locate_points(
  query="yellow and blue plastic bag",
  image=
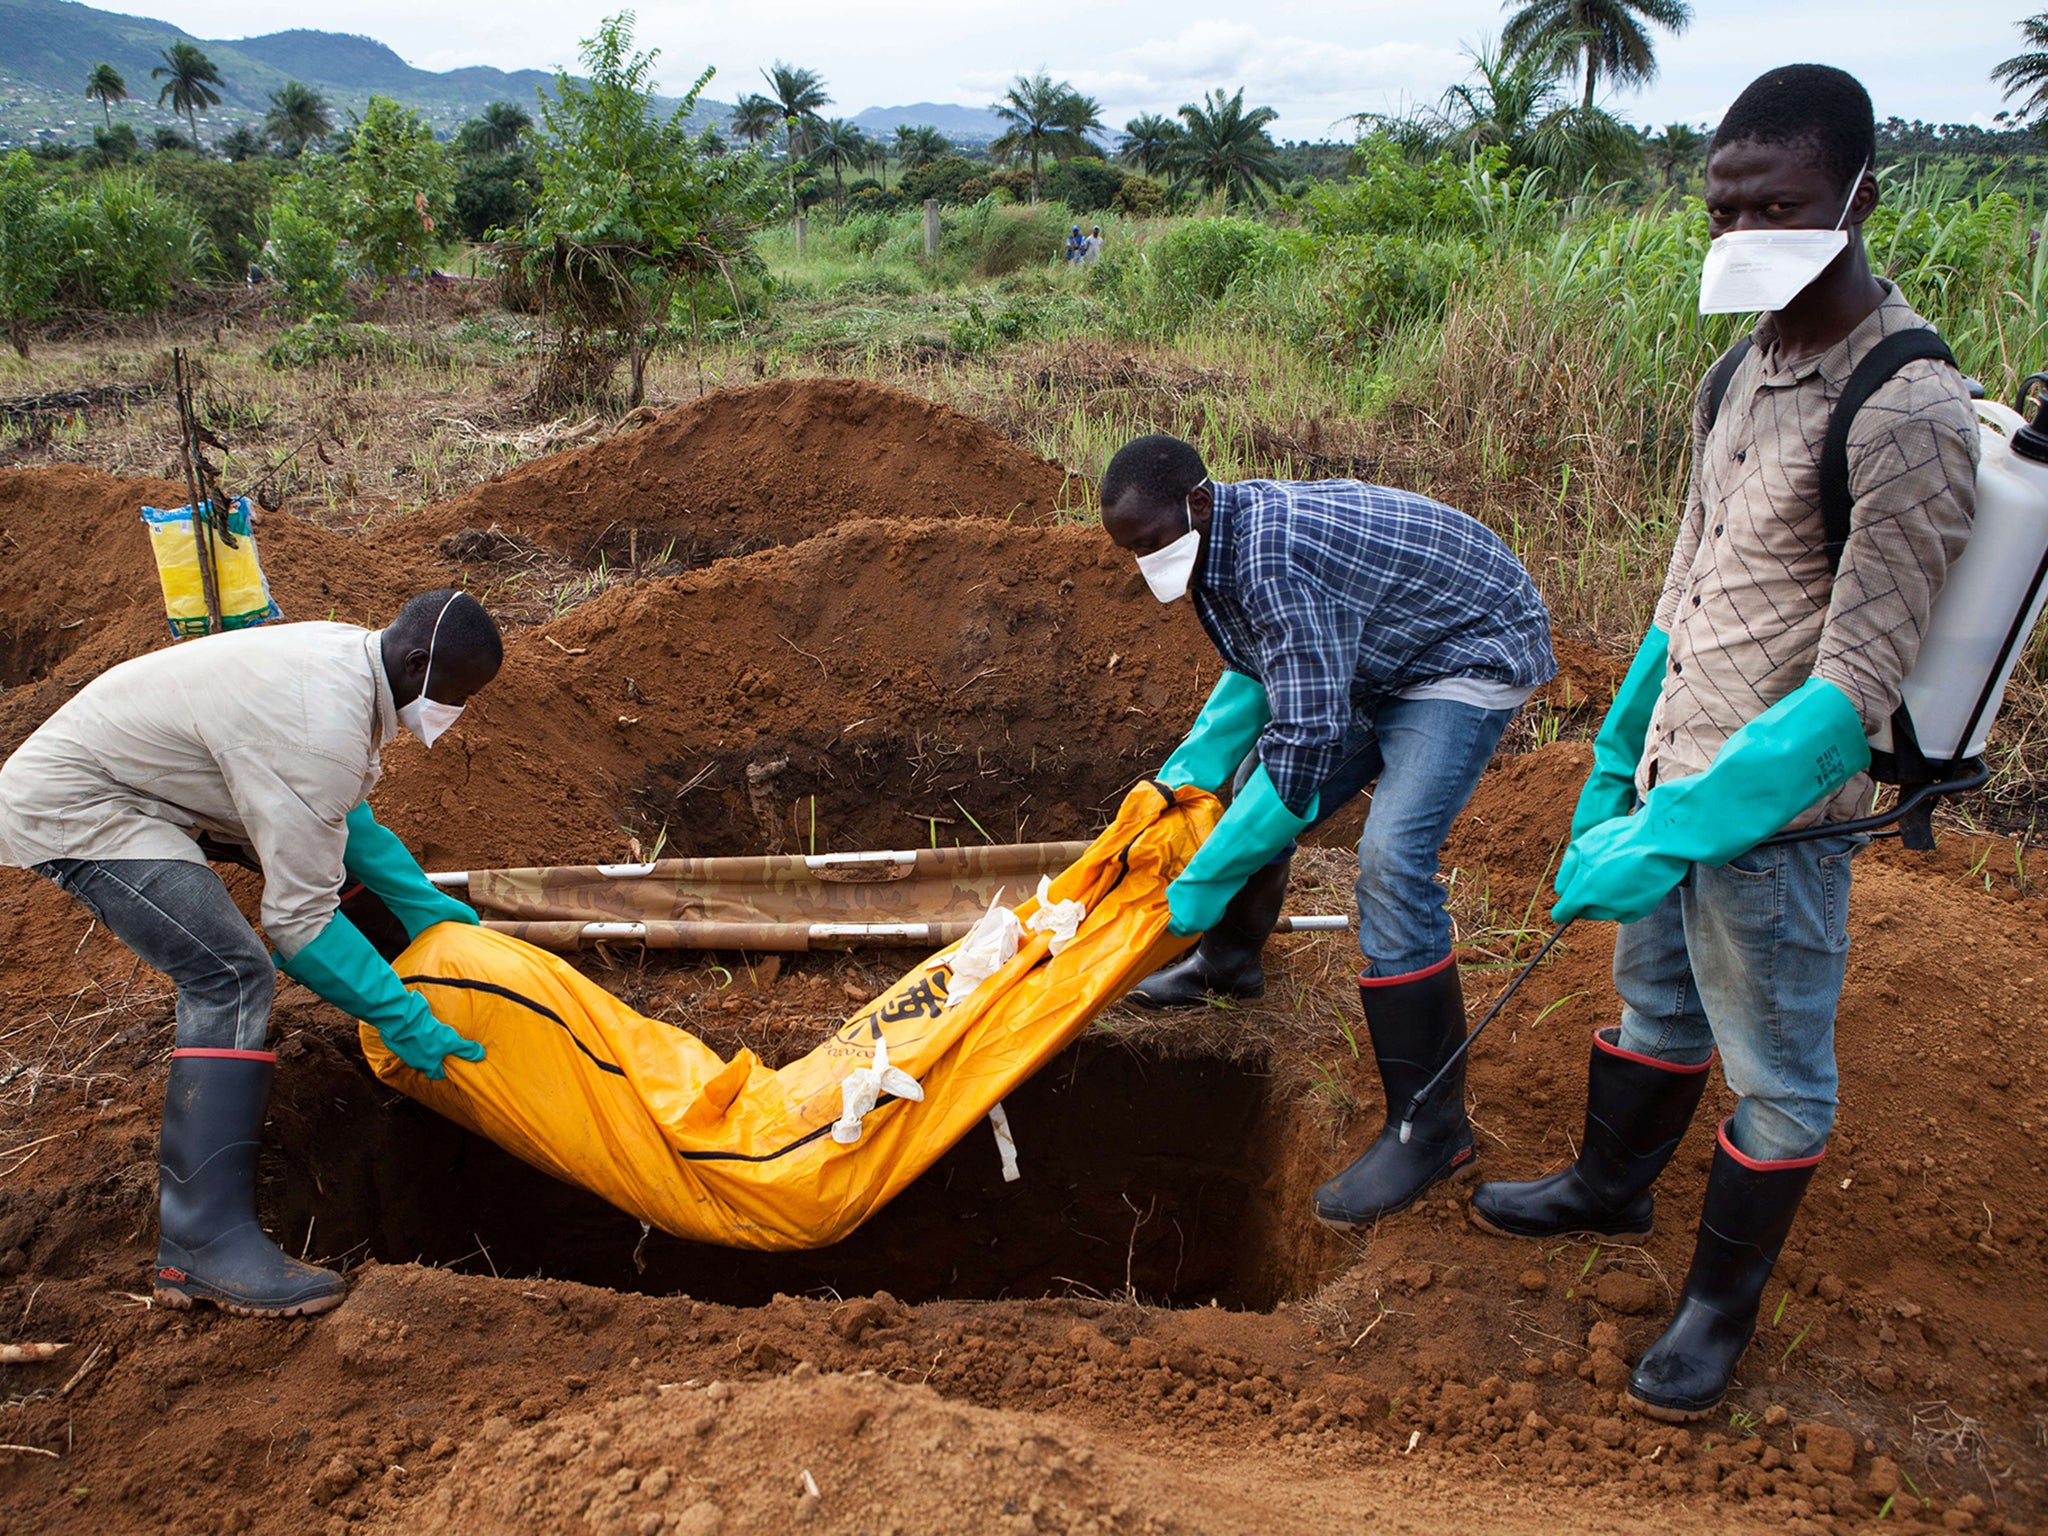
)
(245, 599)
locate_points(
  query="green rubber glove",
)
(376, 857)
(341, 966)
(1223, 733)
(1793, 755)
(1611, 787)
(1257, 826)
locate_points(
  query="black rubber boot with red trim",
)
(1225, 963)
(1637, 1111)
(1416, 1022)
(210, 1247)
(1743, 1224)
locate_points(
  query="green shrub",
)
(331, 339)
(1140, 197)
(229, 199)
(31, 248)
(1200, 260)
(303, 254)
(871, 199)
(944, 179)
(1085, 184)
(133, 246)
(1004, 237)
(1374, 285)
(395, 187)
(493, 192)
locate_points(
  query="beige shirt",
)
(1748, 602)
(268, 737)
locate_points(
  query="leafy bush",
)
(493, 192)
(871, 199)
(303, 254)
(1374, 285)
(1200, 260)
(395, 186)
(228, 198)
(1085, 184)
(1000, 238)
(1140, 197)
(1393, 194)
(945, 180)
(132, 245)
(331, 339)
(31, 248)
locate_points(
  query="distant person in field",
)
(1091, 248)
(1751, 708)
(259, 746)
(1370, 638)
(1077, 244)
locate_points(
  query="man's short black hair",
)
(1161, 469)
(465, 628)
(1807, 104)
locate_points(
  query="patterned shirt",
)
(1338, 596)
(1748, 602)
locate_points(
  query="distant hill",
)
(968, 125)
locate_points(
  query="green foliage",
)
(112, 146)
(632, 211)
(867, 196)
(944, 178)
(303, 254)
(322, 339)
(394, 186)
(189, 80)
(31, 249)
(1394, 193)
(298, 116)
(1197, 262)
(494, 193)
(1373, 285)
(228, 199)
(1085, 183)
(999, 239)
(1044, 117)
(132, 246)
(496, 131)
(1224, 150)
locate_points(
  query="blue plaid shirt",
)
(1338, 596)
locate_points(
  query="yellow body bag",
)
(651, 1119)
(238, 577)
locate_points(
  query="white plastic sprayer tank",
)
(1994, 593)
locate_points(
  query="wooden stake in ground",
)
(200, 506)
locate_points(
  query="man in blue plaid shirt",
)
(1370, 637)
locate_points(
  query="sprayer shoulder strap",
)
(1879, 364)
(1722, 376)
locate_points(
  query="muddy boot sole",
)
(177, 1300)
(1665, 1415)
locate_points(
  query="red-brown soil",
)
(983, 1356)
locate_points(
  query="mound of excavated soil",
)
(853, 688)
(743, 469)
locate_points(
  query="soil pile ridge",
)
(742, 469)
(877, 685)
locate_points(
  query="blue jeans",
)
(180, 919)
(1749, 957)
(1426, 756)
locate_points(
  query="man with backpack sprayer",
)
(260, 745)
(1750, 709)
(1370, 638)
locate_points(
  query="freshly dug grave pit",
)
(1178, 1179)
(742, 469)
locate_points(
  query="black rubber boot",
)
(210, 1247)
(1226, 961)
(1416, 1021)
(1744, 1222)
(1637, 1109)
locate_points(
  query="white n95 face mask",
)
(429, 718)
(1168, 571)
(1749, 271)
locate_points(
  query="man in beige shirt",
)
(267, 739)
(1775, 662)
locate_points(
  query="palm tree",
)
(500, 127)
(105, 86)
(1610, 36)
(920, 145)
(189, 78)
(800, 93)
(839, 145)
(1513, 101)
(755, 118)
(1676, 151)
(242, 142)
(1147, 140)
(1045, 118)
(297, 116)
(2023, 71)
(1224, 149)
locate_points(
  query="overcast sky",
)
(1313, 60)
